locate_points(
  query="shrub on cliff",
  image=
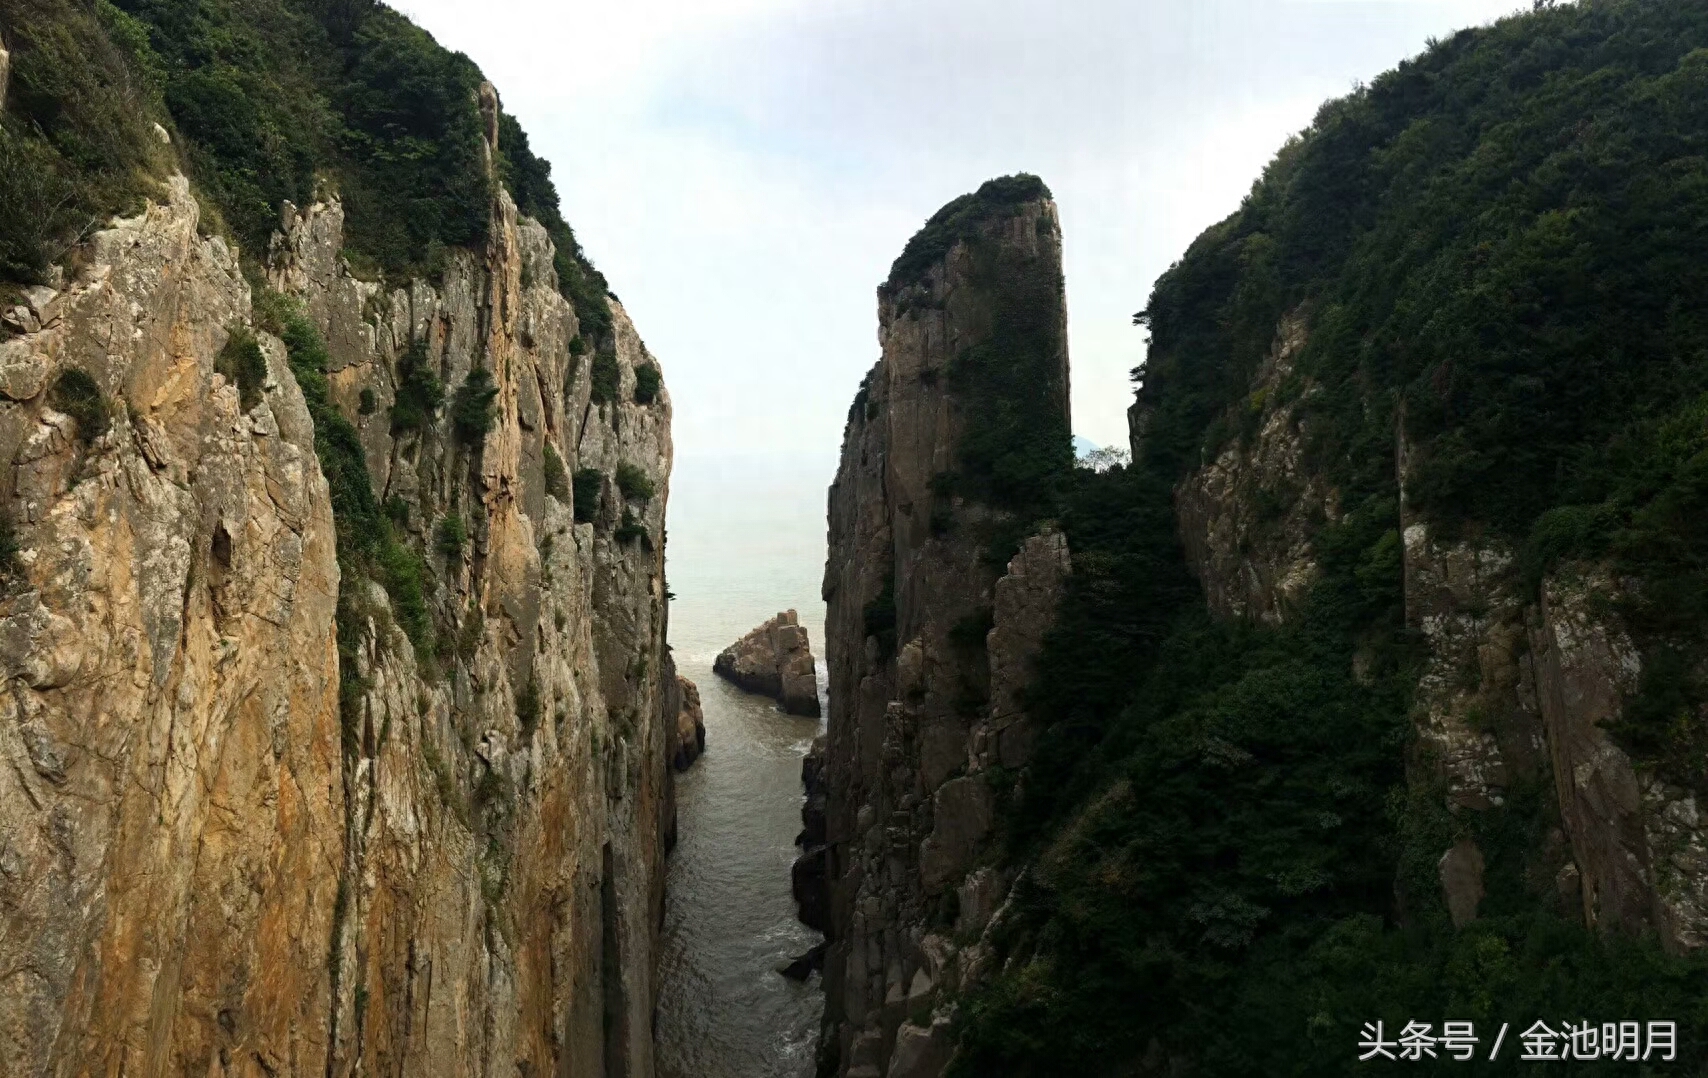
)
(633, 482)
(419, 391)
(648, 381)
(79, 396)
(606, 376)
(879, 617)
(529, 180)
(75, 138)
(586, 499)
(367, 541)
(631, 529)
(452, 536)
(241, 362)
(472, 406)
(557, 479)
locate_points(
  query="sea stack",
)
(775, 660)
(927, 637)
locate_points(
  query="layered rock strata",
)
(251, 824)
(927, 645)
(775, 660)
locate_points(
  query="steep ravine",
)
(261, 819)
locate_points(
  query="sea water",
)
(746, 539)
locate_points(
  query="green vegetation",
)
(1491, 247)
(630, 529)
(242, 363)
(75, 138)
(587, 483)
(9, 546)
(452, 536)
(472, 407)
(1015, 450)
(557, 479)
(633, 482)
(367, 541)
(419, 391)
(961, 219)
(648, 381)
(529, 180)
(79, 396)
(528, 706)
(606, 375)
(265, 100)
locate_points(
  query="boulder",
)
(775, 660)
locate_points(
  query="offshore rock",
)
(775, 660)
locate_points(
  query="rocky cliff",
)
(338, 725)
(1374, 686)
(927, 636)
(775, 660)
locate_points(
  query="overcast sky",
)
(744, 171)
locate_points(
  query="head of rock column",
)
(955, 445)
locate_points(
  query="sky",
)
(744, 171)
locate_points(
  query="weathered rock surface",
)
(775, 660)
(212, 860)
(1247, 517)
(1510, 689)
(918, 713)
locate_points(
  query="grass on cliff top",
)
(1015, 448)
(75, 139)
(267, 101)
(959, 220)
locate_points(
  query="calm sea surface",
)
(746, 539)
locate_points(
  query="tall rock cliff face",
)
(259, 818)
(926, 637)
(1519, 684)
(1377, 681)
